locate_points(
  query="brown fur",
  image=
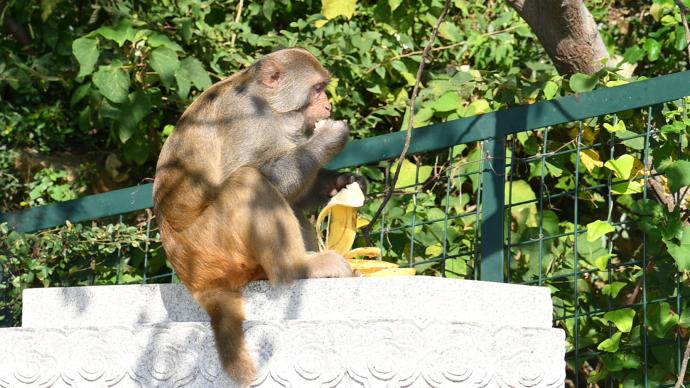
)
(229, 181)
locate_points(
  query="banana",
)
(340, 231)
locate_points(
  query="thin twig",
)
(408, 136)
(238, 16)
(683, 367)
(440, 48)
(684, 10)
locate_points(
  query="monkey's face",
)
(319, 107)
(295, 81)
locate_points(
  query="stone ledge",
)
(296, 353)
(416, 298)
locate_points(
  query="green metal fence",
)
(556, 194)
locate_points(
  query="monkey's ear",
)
(271, 72)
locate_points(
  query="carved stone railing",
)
(386, 332)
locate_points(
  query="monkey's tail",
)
(226, 309)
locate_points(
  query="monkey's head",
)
(293, 80)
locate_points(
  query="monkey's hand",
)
(334, 133)
(331, 126)
(345, 179)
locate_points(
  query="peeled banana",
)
(341, 228)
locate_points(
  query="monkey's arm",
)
(294, 172)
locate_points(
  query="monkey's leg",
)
(270, 231)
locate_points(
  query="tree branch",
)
(683, 367)
(408, 135)
(14, 27)
(567, 31)
(684, 17)
(238, 16)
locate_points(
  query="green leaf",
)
(653, 49)
(456, 268)
(183, 82)
(522, 192)
(598, 229)
(619, 361)
(677, 173)
(112, 82)
(138, 107)
(681, 251)
(623, 319)
(168, 130)
(657, 11)
(602, 261)
(612, 344)
(624, 188)
(394, 4)
(81, 92)
(160, 40)
(550, 89)
(581, 83)
(164, 61)
(123, 32)
(676, 127)
(434, 250)
(477, 107)
(86, 52)
(268, 7)
(136, 151)
(408, 174)
(684, 320)
(450, 31)
(47, 8)
(613, 289)
(197, 74)
(622, 166)
(619, 126)
(422, 117)
(661, 319)
(448, 102)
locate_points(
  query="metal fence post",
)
(493, 200)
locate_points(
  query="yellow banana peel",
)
(341, 228)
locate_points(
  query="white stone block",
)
(418, 298)
(290, 353)
(359, 332)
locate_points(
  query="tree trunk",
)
(567, 31)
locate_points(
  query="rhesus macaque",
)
(233, 180)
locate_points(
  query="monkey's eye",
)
(318, 88)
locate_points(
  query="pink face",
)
(319, 107)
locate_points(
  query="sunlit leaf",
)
(598, 229)
(590, 158)
(581, 83)
(613, 289)
(612, 344)
(448, 102)
(623, 318)
(622, 166)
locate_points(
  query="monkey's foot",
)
(329, 264)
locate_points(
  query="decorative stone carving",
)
(290, 353)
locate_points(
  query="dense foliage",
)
(89, 99)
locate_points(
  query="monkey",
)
(233, 183)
